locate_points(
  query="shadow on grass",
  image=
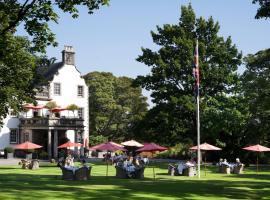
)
(38, 186)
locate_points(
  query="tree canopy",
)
(115, 106)
(35, 16)
(263, 10)
(19, 56)
(171, 82)
(256, 89)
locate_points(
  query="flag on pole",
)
(196, 72)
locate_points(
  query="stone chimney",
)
(68, 55)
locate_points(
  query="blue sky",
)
(111, 39)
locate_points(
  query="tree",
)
(18, 55)
(17, 74)
(35, 16)
(171, 82)
(256, 89)
(263, 10)
(114, 105)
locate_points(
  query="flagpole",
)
(198, 137)
(198, 112)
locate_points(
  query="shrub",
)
(9, 150)
(179, 151)
(43, 155)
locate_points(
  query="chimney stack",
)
(68, 55)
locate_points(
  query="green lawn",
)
(46, 183)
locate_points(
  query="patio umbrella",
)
(132, 143)
(108, 146)
(57, 109)
(151, 147)
(69, 144)
(206, 147)
(32, 107)
(27, 145)
(29, 106)
(257, 148)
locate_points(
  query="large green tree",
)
(171, 81)
(17, 74)
(256, 89)
(263, 10)
(18, 60)
(115, 106)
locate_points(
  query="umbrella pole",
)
(205, 163)
(107, 164)
(257, 164)
(154, 174)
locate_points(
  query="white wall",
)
(9, 123)
(69, 78)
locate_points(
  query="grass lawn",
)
(46, 183)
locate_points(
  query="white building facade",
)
(50, 129)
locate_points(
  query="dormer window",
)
(57, 89)
(80, 91)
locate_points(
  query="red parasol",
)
(206, 147)
(69, 144)
(151, 147)
(257, 148)
(27, 145)
(108, 146)
(29, 106)
(58, 109)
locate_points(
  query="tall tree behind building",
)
(115, 107)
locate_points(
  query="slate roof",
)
(52, 70)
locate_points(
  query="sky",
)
(110, 40)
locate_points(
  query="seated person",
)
(220, 162)
(189, 164)
(69, 161)
(237, 162)
(146, 160)
(180, 167)
(225, 163)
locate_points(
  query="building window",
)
(81, 113)
(14, 136)
(80, 91)
(57, 89)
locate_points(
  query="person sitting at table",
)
(225, 163)
(69, 161)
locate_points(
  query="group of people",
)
(130, 164)
(232, 166)
(185, 165)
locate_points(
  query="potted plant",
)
(51, 105)
(72, 107)
(9, 152)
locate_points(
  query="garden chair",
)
(82, 173)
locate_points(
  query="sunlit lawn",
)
(46, 183)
